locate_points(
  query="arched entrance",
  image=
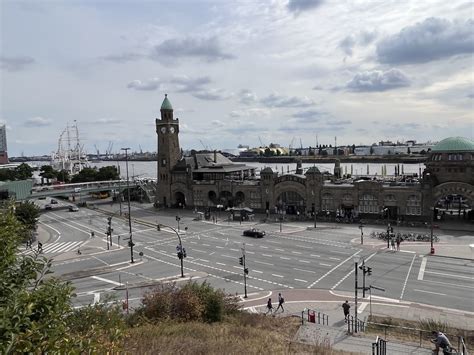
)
(180, 199)
(291, 202)
(453, 201)
(239, 198)
(212, 196)
(226, 199)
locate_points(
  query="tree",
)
(47, 172)
(108, 173)
(63, 176)
(85, 175)
(27, 213)
(23, 172)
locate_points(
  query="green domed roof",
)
(454, 144)
(166, 105)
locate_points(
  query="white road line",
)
(301, 280)
(362, 307)
(334, 268)
(408, 275)
(53, 247)
(262, 262)
(69, 247)
(448, 284)
(219, 247)
(220, 264)
(323, 264)
(340, 252)
(54, 229)
(296, 252)
(106, 280)
(332, 258)
(274, 242)
(422, 268)
(279, 249)
(450, 275)
(350, 272)
(206, 261)
(284, 258)
(304, 247)
(228, 256)
(257, 271)
(276, 275)
(237, 267)
(314, 255)
(433, 293)
(200, 251)
(249, 252)
(233, 249)
(263, 247)
(206, 245)
(304, 261)
(303, 270)
(267, 255)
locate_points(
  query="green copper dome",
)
(454, 144)
(166, 105)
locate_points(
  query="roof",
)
(454, 144)
(313, 170)
(166, 105)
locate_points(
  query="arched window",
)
(327, 202)
(368, 204)
(413, 205)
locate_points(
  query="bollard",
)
(432, 251)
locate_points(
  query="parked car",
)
(48, 207)
(254, 233)
(73, 209)
(54, 202)
(42, 198)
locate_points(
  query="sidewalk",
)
(329, 303)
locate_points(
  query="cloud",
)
(470, 96)
(217, 123)
(253, 112)
(298, 6)
(429, 40)
(187, 84)
(275, 100)
(212, 95)
(147, 85)
(318, 87)
(247, 97)
(207, 49)
(15, 63)
(367, 37)
(347, 44)
(307, 116)
(108, 121)
(377, 80)
(38, 122)
(339, 123)
(123, 57)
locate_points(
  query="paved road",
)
(296, 258)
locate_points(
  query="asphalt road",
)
(296, 258)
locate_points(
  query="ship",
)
(70, 155)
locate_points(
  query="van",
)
(77, 189)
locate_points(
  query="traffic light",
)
(178, 218)
(180, 255)
(369, 271)
(158, 227)
(246, 270)
(241, 260)
(184, 252)
(131, 244)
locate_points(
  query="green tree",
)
(7, 175)
(23, 172)
(85, 175)
(63, 176)
(27, 213)
(108, 173)
(47, 172)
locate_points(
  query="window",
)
(368, 204)
(163, 162)
(413, 205)
(327, 202)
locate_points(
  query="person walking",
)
(269, 306)
(40, 247)
(392, 243)
(441, 341)
(346, 307)
(281, 300)
(399, 240)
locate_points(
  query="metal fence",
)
(379, 347)
(354, 326)
(313, 316)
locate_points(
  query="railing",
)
(462, 346)
(379, 347)
(312, 316)
(354, 326)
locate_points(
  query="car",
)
(48, 207)
(54, 202)
(42, 198)
(73, 209)
(254, 233)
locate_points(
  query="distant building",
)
(3, 145)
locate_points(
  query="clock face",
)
(171, 129)
(163, 129)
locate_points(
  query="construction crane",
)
(109, 149)
(141, 151)
(261, 143)
(97, 150)
(301, 143)
(203, 145)
(291, 143)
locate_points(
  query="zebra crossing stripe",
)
(50, 248)
(68, 247)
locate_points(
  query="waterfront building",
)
(210, 180)
(3, 145)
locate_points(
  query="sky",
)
(292, 72)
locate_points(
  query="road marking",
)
(106, 280)
(262, 262)
(304, 247)
(279, 249)
(206, 245)
(334, 268)
(316, 256)
(249, 252)
(332, 258)
(233, 249)
(263, 247)
(257, 271)
(340, 252)
(276, 275)
(450, 275)
(323, 264)
(237, 267)
(448, 284)
(296, 252)
(206, 261)
(350, 272)
(219, 247)
(267, 255)
(228, 256)
(200, 251)
(96, 297)
(304, 261)
(54, 229)
(362, 307)
(422, 268)
(301, 280)
(433, 293)
(303, 270)
(408, 275)
(285, 258)
(274, 242)
(220, 264)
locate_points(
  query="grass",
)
(395, 330)
(241, 333)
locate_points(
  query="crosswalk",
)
(56, 248)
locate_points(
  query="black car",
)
(54, 202)
(48, 207)
(254, 233)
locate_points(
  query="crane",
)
(301, 144)
(261, 143)
(97, 150)
(203, 145)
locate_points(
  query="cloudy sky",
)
(236, 71)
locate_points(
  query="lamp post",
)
(128, 200)
(314, 200)
(356, 262)
(179, 248)
(177, 220)
(361, 227)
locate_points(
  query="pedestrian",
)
(281, 300)
(40, 247)
(269, 306)
(346, 307)
(399, 240)
(392, 243)
(441, 341)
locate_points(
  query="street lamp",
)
(177, 220)
(361, 227)
(356, 262)
(314, 199)
(128, 199)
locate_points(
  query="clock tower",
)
(169, 153)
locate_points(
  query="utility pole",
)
(361, 227)
(130, 242)
(356, 261)
(246, 271)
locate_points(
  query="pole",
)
(370, 300)
(363, 278)
(180, 246)
(129, 213)
(431, 230)
(361, 234)
(355, 297)
(245, 275)
(388, 235)
(314, 195)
